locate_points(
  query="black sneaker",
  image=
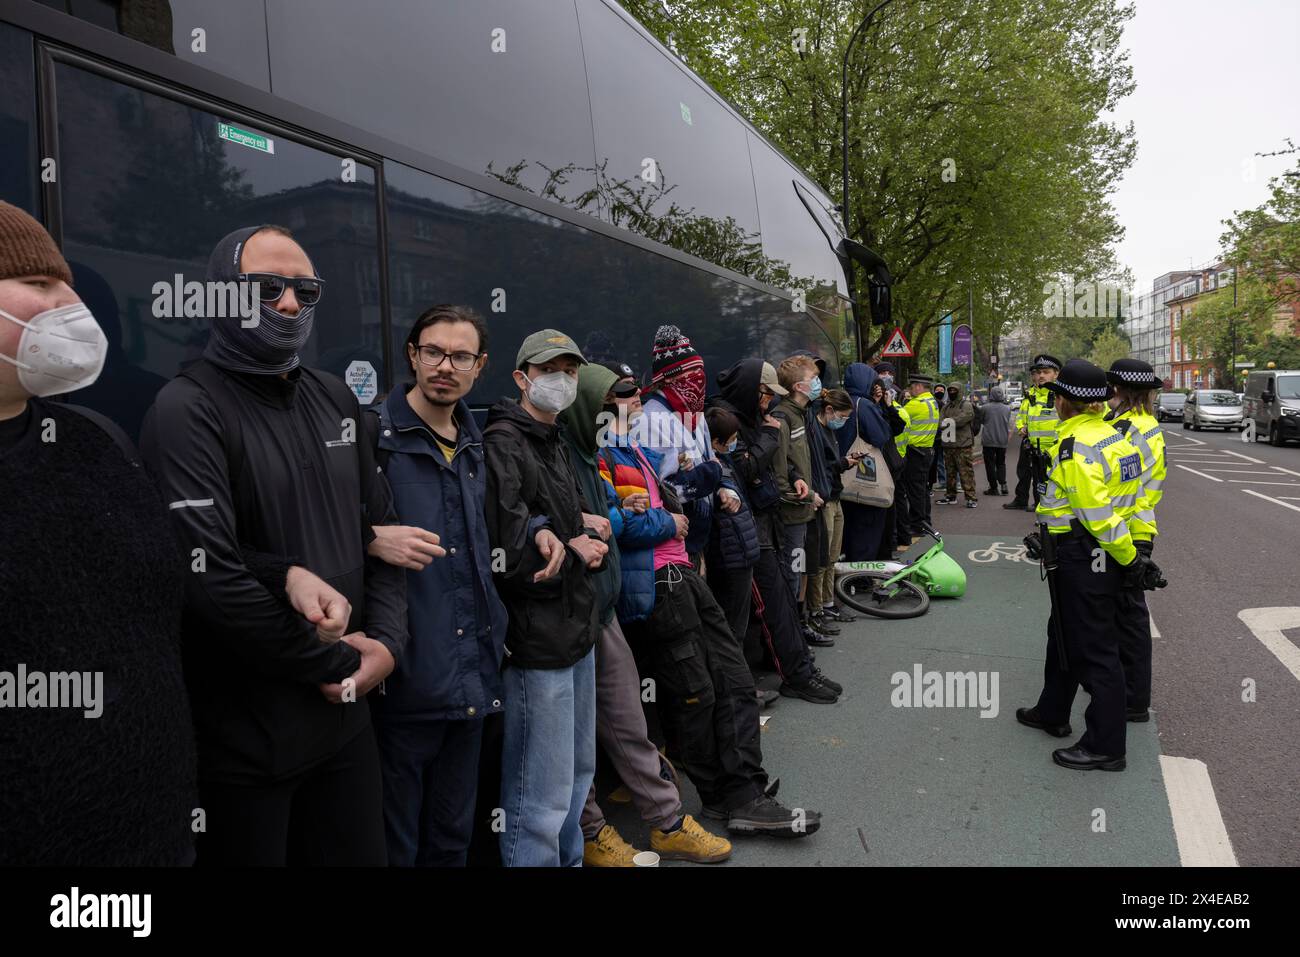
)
(970, 503)
(811, 690)
(818, 639)
(836, 613)
(833, 685)
(1004, 491)
(990, 491)
(822, 626)
(945, 501)
(1019, 506)
(766, 815)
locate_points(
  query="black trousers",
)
(1086, 620)
(328, 816)
(704, 690)
(1133, 622)
(1026, 481)
(732, 589)
(995, 466)
(902, 513)
(778, 619)
(916, 476)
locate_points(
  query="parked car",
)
(1273, 403)
(1170, 406)
(1212, 409)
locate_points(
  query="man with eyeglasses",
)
(429, 718)
(288, 624)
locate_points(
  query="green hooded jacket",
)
(580, 431)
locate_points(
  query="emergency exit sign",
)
(254, 141)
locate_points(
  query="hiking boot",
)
(608, 849)
(810, 690)
(766, 815)
(690, 842)
(833, 685)
(971, 503)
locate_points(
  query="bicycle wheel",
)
(860, 591)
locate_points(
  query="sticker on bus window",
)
(254, 141)
(362, 379)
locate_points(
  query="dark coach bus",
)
(547, 162)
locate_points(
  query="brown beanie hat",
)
(26, 249)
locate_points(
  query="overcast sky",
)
(1217, 81)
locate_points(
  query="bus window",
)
(148, 185)
(17, 119)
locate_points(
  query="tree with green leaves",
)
(980, 156)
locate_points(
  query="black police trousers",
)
(916, 478)
(1024, 477)
(1133, 623)
(1086, 619)
(704, 690)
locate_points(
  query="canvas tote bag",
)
(868, 482)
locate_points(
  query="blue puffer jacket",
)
(452, 664)
(640, 533)
(733, 540)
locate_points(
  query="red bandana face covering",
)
(685, 392)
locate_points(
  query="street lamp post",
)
(844, 154)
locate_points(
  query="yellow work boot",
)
(620, 795)
(607, 849)
(690, 842)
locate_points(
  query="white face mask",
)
(553, 392)
(60, 350)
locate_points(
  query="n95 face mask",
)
(61, 350)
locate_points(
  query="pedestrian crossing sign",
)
(897, 346)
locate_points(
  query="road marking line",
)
(1253, 482)
(1270, 498)
(1267, 624)
(1201, 474)
(1240, 456)
(1198, 825)
(1287, 471)
(1155, 632)
(1243, 471)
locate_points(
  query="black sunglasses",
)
(307, 289)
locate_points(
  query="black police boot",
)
(1080, 759)
(1019, 506)
(1029, 717)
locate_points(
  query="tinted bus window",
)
(448, 243)
(18, 171)
(493, 86)
(644, 107)
(149, 185)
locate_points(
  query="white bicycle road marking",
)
(1198, 824)
(996, 550)
(1201, 474)
(1268, 625)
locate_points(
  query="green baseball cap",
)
(546, 345)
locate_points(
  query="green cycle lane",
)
(943, 785)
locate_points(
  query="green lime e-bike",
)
(900, 589)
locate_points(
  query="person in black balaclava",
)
(288, 623)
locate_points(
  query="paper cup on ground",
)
(646, 859)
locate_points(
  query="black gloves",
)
(1143, 547)
(1143, 573)
(1034, 546)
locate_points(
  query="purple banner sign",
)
(961, 345)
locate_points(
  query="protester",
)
(994, 436)
(620, 721)
(958, 448)
(429, 718)
(792, 466)
(864, 525)
(704, 689)
(252, 449)
(91, 575)
(549, 543)
(938, 467)
(675, 430)
(823, 452)
(895, 537)
(834, 413)
(746, 388)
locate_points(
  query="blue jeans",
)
(548, 763)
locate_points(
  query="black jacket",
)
(756, 446)
(531, 486)
(733, 539)
(298, 490)
(91, 581)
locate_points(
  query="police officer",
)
(1132, 414)
(1037, 422)
(1093, 484)
(922, 426)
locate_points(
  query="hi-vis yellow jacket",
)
(1145, 434)
(922, 414)
(1040, 418)
(1094, 478)
(900, 440)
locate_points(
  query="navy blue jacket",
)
(452, 663)
(858, 380)
(733, 539)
